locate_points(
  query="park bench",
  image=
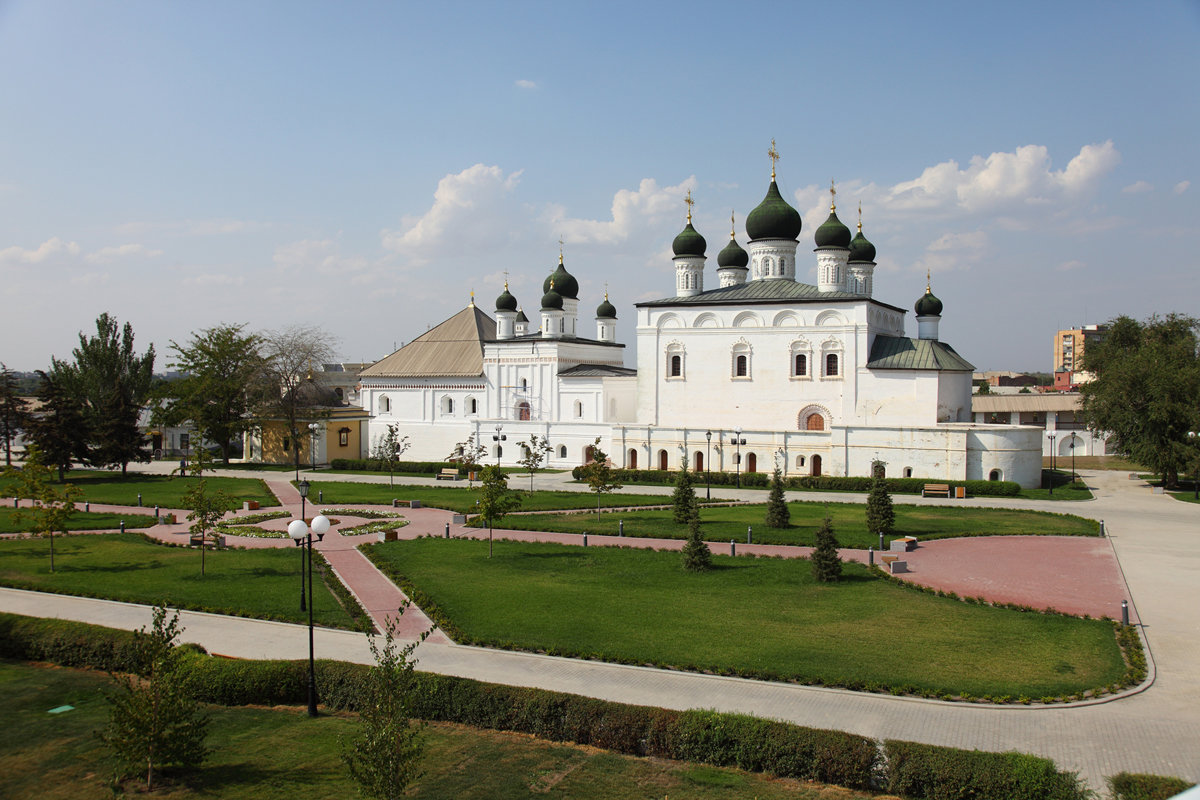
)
(936, 489)
(448, 474)
(208, 541)
(903, 544)
(894, 564)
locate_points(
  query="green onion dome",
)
(832, 232)
(552, 300)
(563, 282)
(928, 305)
(506, 302)
(861, 249)
(606, 310)
(732, 255)
(689, 242)
(773, 218)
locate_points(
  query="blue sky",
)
(364, 166)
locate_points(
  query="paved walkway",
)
(1157, 550)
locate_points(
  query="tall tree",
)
(59, 427)
(495, 498)
(1147, 379)
(535, 450)
(778, 515)
(14, 410)
(220, 365)
(112, 383)
(51, 508)
(286, 388)
(881, 516)
(599, 475)
(826, 561)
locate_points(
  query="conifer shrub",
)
(881, 517)
(778, 515)
(826, 563)
(696, 555)
(683, 500)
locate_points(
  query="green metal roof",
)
(768, 291)
(899, 352)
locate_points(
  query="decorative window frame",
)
(808, 411)
(675, 348)
(832, 347)
(471, 405)
(741, 348)
(446, 406)
(800, 347)
(385, 404)
(343, 437)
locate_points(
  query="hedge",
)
(375, 465)
(827, 483)
(946, 773)
(1135, 786)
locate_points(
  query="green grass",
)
(80, 521)
(763, 617)
(722, 523)
(272, 753)
(1064, 487)
(128, 567)
(1093, 462)
(462, 499)
(156, 490)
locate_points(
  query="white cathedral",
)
(761, 371)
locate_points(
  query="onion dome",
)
(860, 248)
(552, 300)
(832, 232)
(689, 242)
(606, 310)
(506, 302)
(928, 305)
(773, 218)
(563, 282)
(732, 254)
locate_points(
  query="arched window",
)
(472, 405)
(815, 422)
(908, 472)
(385, 404)
(578, 409)
(740, 366)
(524, 385)
(562, 451)
(447, 405)
(632, 461)
(799, 462)
(995, 475)
(499, 452)
(676, 366)
(831, 364)
(799, 365)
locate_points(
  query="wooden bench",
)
(894, 564)
(937, 489)
(448, 474)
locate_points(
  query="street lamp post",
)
(303, 486)
(312, 444)
(738, 441)
(1074, 436)
(498, 438)
(708, 466)
(301, 534)
(1051, 437)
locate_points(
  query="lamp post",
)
(1074, 436)
(301, 534)
(1051, 435)
(312, 444)
(738, 441)
(708, 466)
(498, 438)
(303, 487)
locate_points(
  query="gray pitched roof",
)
(596, 370)
(452, 349)
(770, 291)
(900, 352)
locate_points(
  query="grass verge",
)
(156, 490)
(80, 521)
(640, 607)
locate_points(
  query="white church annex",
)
(815, 379)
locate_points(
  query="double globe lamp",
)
(300, 531)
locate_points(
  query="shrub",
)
(945, 773)
(881, 517)
(696, 555)
(1134, 786)
(377, 465)
(826, 563)
(824, 483)
(683, 500)
(778, 515)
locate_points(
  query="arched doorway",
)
(632, 458)
(816, 466)
(523, 410)
(995, 475)
(589, 454)
(815, 422)
(751, 462)
(698, 462)
(663, 464)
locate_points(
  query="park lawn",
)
(462, 499)
(156, 490)
(131, 568)
(79, 521)
(279, 752)
(763, 617)
(722, 523)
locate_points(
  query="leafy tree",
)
(469, 454)
(536, 450)
(207, 509)
(389, 446)
(285, 387)
(220, 365)
(384, 758)
(495, 498)
(826, 563)
(599, 474)
(881, 517)
(778, 515)
(1147, 379)
(14, 410)
(51, 507)
(683, 499)
(696, 555)
(112, 383)
(59, 428)
(153, 721)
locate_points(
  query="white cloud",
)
(214, 279)
(953, 251)
(47, 249)
(1073, 264)
(1182, 187)
(524, 84)
(191, 227)
(632, 211)
(321, 256)
(1141, 187)
(106, 255)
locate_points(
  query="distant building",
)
(1056, 413)
(999, 378)
(1069, 347)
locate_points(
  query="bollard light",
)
(156, 512)
(139, 499)
(320, 495)
(732, 548)
(881, 540)
(122, 526)
(870, 556)
(585, 538)
(621, 527)
(16, 502)
(749, 534)
(1102, 533)
(86, 506)
(447, 530)
(1124, 612)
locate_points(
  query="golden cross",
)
(690, 202)
(732, 225)
(860, 216)
(832, 196)
(773, 154)
(560, 249)
(506, 280)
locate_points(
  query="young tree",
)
(826, 563)
(1147, 379)
(389, 446)
(14, 411)
(599, 474)
(220, 365)
(384, 758)
(683, 499)
(51, 507)
(207, 509)
(198, 461)
(536, 451)
(153, 721)
(469, 454)
(778, 515)
(881, 517)
(59, 428)
(495, 498)
(696, 555)
(285, 387)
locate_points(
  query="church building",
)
(761, 370)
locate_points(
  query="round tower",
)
(833, 249)
(772, 228)
(732, 261)
(860, 269)
(929, 313)
(689, 247)
(606, 320)
(552, 313)
(506, 314)
(567, 287)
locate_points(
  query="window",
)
(578, 409)
(831, 365)
(815, 422)
(676, 366)
(742, 366)
(562, 451)
(447, 405)
(499, 452)
(524, 385)
(741, 360)
(799, 365)
(908, 472)
(799, 462)
(472, 406)
(287, 443)
(995, 475)
(344, 437)
(385, 404)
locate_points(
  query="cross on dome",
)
(773, 154)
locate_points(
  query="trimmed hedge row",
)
(375, 465)
(828, 483)
(1136, 786)
(946, 773)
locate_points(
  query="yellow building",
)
(1069, 346)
